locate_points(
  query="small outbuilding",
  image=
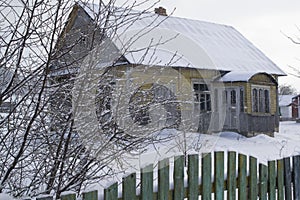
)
(285, 107)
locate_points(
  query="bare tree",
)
(41, 151)
(286, 90)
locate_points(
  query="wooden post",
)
(231, 176)
(287, 179)
(45, 198)
(193, 175)
(206, 176)
(93, 195)
(253, 179)
(272, 180)
(280, 179)
(111, 193)
(263, 182)
(296, 177)
(129, 187)
(242, 179)
(68, 197)
(178, 177)
(163, 179)
(147, 182)
(219, 175)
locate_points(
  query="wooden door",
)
(231, 108)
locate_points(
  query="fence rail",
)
(238, 176)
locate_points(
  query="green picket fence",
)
(246, 179)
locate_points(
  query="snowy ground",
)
(283, 144)
(264, 148)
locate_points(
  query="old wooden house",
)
(169, 72)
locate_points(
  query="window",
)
(267, 101)
(255, 100)
(202, 96)
(233, 97)
(242, 100)
(260, 100)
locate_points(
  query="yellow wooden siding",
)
(263, 80)
(180, 82)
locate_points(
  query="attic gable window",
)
(202, 96)
(261, 99)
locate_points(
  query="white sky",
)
(260, 21)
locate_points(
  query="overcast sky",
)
(263, 22)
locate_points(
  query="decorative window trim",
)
(260, 97)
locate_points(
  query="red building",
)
(295, 107)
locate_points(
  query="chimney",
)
(161, 11)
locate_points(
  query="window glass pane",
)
(202, 102)
(242, 100)
(208, 102)
(255, 100)
(233, 97)
(202, 96)
(196, 87)
(261, 101)
(267, 102)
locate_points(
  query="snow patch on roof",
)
(285, 100)
(236, 76)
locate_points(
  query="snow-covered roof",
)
(285, 100)
(235, 76)
(199, 44)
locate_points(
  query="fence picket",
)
(163, 179)
(276, 180)
(147, 182)
(272, 180)
(280, 179)
(68, 197)
(129, 187)
(193, 174)
(253, 179)
(242, 177)
(178, 177)
(93, 195)
(206, 176)
(287, 178)
(45, 198)
(296, 177)
(219, 175)
(263, 181)
(111, 193)
(231, 176)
